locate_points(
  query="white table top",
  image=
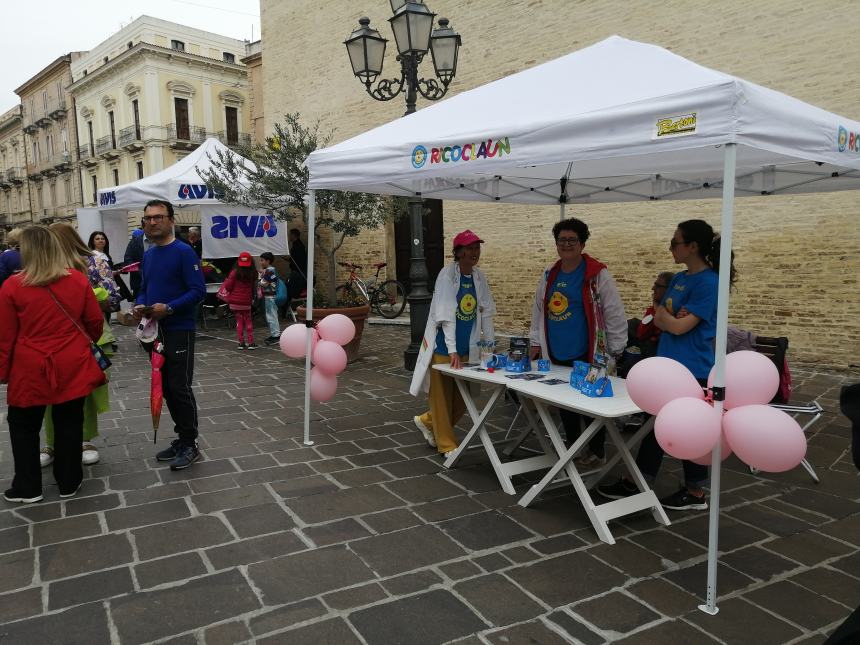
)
(213, 287)
(499, 376)
(618, 405)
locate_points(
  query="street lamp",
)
(414, 35)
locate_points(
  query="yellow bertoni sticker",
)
(468, 303)
(557, 303)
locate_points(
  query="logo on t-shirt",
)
(558, 305)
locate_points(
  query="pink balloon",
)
(294, 339)
(323, 386)
(764, 437)
(687, 428)
(336, 328)
(655, 381)
(725, 452)
(750, 378)
(329, 357)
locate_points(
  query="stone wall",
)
(798, 257)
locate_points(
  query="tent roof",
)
(611, 119)
(165, 184)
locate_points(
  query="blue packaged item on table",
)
(518, 355)
(591, 380)
(543, 365)
(577, 374)
(497, 361)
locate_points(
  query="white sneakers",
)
(89, 455)
(427, 432)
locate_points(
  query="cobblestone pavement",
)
(365, 538)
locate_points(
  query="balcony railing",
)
(87, 155)
(15, 175)
(238, 139)
(106, 147)
(131, 138)
(57, 109)
(185, 136)
(34, 170)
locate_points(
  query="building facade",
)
(254, 62)
(798, 256)
(152, 92)
(50, 142)
(14, 185)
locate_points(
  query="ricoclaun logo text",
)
(481, 150)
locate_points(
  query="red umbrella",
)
(156, 396)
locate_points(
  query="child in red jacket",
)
(239, 294)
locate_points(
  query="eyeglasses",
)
(567, 241)
(673, 243)
(658, 285)
(153, 219)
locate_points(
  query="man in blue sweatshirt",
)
(171, 287)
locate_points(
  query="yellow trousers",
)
(446, 407)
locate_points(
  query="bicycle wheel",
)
(390, 299)
(349, 296)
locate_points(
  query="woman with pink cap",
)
(461, 312)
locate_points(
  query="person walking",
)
(239, 295)
(49, 317)
(269, 285)
(577, 315)
(687, 316)
(297, 281)
(171, 288)
(461, 312)
(10, 259)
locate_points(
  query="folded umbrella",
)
(156, 395)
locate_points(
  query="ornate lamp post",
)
(412, 24)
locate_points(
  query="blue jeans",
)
(272, 317)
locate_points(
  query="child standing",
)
(239, 288)
(269, 283)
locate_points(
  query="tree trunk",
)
(332, 280)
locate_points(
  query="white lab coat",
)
(443, 309)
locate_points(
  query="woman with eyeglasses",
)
(687, 316)
(577, 315)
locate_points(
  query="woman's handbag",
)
(222, 294)
(98, 354)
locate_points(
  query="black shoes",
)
(185, 456)
(15, 496)
(272, 340)
(619, 490)
(684, 500)
(169, 454)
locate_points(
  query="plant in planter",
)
(279, 184)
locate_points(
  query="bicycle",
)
(387, 298)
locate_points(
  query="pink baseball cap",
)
(466, 238)
(245, 259)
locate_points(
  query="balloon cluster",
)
(688, 427)
(327, 352)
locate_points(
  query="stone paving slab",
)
(364, 537)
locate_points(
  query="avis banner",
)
(227, 232)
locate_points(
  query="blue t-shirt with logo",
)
(567, 328)
(697, 293)
(467, 313)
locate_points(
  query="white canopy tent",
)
(618, 121)
(226, 230)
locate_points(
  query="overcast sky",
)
(36, 33)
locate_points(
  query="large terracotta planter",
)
(356, 314)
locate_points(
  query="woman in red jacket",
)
(48, 315)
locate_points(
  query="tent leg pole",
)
(309, 317)
(561, 212)
(730, 163)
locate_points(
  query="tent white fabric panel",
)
(593, 117)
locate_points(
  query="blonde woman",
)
(52, 365)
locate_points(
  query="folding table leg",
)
(595, 478)
(478, 418)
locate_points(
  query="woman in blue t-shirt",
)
(687, 316)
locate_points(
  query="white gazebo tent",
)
(183, 186)
(618, 121)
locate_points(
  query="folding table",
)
(603, 410)
(496, 382)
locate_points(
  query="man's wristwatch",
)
(169, 310)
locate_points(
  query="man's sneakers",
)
(15, 496)
(427, 432)
(179, 455)
(619, 490)
(272, 340)
(684, 500)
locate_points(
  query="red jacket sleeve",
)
(9, 325)
(230, 282)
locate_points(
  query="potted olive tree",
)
(279, 184)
